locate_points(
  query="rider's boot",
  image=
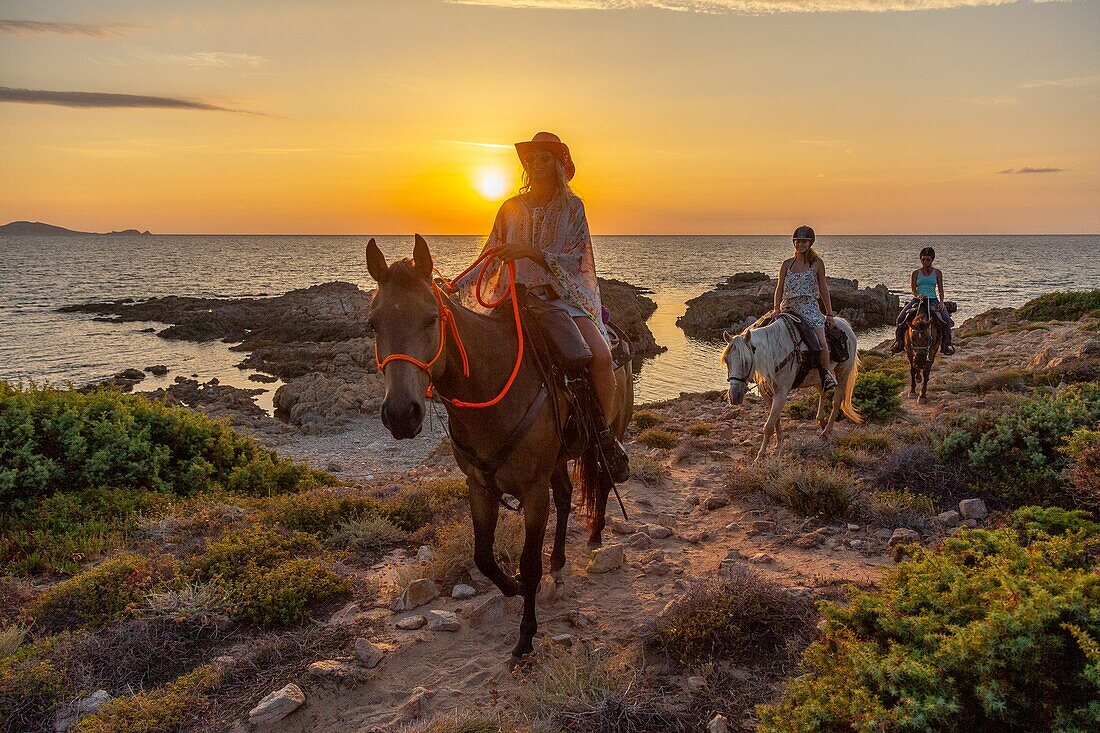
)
(618, 462)
(945, 342)
(899, 339)
(828, 381)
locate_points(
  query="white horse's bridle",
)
(744, 380)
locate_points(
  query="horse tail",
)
(590, 478)
(846, 406)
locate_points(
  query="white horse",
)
(768, 356)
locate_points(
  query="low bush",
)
(1083, 450)
(453, 548)
(317, 513)
(986, 634)
(236, 553)
(876, 395)
(284, 595)
(803, 406)
(63, 440)
(100, 594)
(31, 689)
(11, 637)
(647, 470)
(867, 440)
(1031, 521)
(1016, 458)
(1069, 305)
(657, 438)
(700, 429)
(167, 708)
(812, 490)
(466, 723)
(645, 419)
(895, 366)
(742, 617)
(198, 604)
(898, 508)
(917, 467)
(374, 534)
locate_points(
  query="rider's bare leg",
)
(824, 347)
(602, 369)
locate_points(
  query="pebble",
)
(718, 724)
(715, 502)
(657, 531)
(368, 652)
(417, 593)
(853, 527)
(463, 591)
(761, 558)
(855, 543)
(425, 554)
(606, 559)
(443, 621)
(565, 640)
(948, 518)
(411, 623)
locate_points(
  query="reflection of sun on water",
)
(492, 183)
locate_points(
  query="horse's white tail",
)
(846, 406)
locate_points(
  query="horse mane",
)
(764, 347)
(404, 273)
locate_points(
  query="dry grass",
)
(743, 617)
(457, 722)
(807, 489)
(453, 545)
(898, 508)
(11, 637)
(370, 535)
(700, 429)
(918, 468)
(584, 691)
(645, 419)
(191, 603)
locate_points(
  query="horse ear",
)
(422, 258)
(727, 336)
(376, 263)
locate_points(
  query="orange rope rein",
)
(447, 323)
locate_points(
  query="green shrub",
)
(31, 688)
(803, 407)
(61, 531)
(1083, 450)
(238, 552)
(742, 618)
(657, 438)
(284, 595)
(984, 635)
(895, 366)
(1067, 305)
(1016, 458)
(317, 513)
(63, 440)
(876, 395)
(98, 595)
(646, 419)
(1030, 521)
(373, 534)
(161, 710)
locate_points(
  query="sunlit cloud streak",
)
(95, 30)
(104, 99)
(1074, 82)
(750, 7)
(1030, 169)
(211, 59)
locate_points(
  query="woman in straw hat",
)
(545, 232)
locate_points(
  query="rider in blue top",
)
(926, 284)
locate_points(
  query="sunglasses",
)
(796, 241)
(538, 156)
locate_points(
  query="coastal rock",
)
(277, 705)
(630, 310)
(489, 610)
(657, 531)
(718, 724)
(157, 370)
(742, 298)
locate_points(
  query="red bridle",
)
(447, 323)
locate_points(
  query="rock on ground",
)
(416, 594)
(277, 705)
(606, 559)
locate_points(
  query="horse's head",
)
(404, 314)
(920, 331)
(739, 358)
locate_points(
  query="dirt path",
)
(469, 666)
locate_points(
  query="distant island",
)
(17, 228)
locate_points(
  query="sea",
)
(38, 275)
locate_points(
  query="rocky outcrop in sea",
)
(739, 300)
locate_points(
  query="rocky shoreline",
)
(740, 299)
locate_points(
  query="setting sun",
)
(492, 183)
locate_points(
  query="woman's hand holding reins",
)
(511, 252)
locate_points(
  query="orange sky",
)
(358, 117)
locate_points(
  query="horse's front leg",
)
(912, 380)
(924, 384)
(778, 401)
(535, 510)
(820, 417)
(484, 509)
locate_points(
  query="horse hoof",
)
(593, 545)
(922, 401)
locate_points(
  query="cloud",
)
(95, 30)
(494, 146)
(749, 7)
(1074, 82)
(1029, 169)
(104, 99)
(211, 59)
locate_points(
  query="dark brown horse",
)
(406, 314)
(922, 343)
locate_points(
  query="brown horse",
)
(922, 343)
(412, 317)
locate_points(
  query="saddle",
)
(807, 343)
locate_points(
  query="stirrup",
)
(618, 461)
(828, 381)
(947, 349)
(897, 347)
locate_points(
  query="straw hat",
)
(552, 143)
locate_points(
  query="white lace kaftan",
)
(560, 231)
